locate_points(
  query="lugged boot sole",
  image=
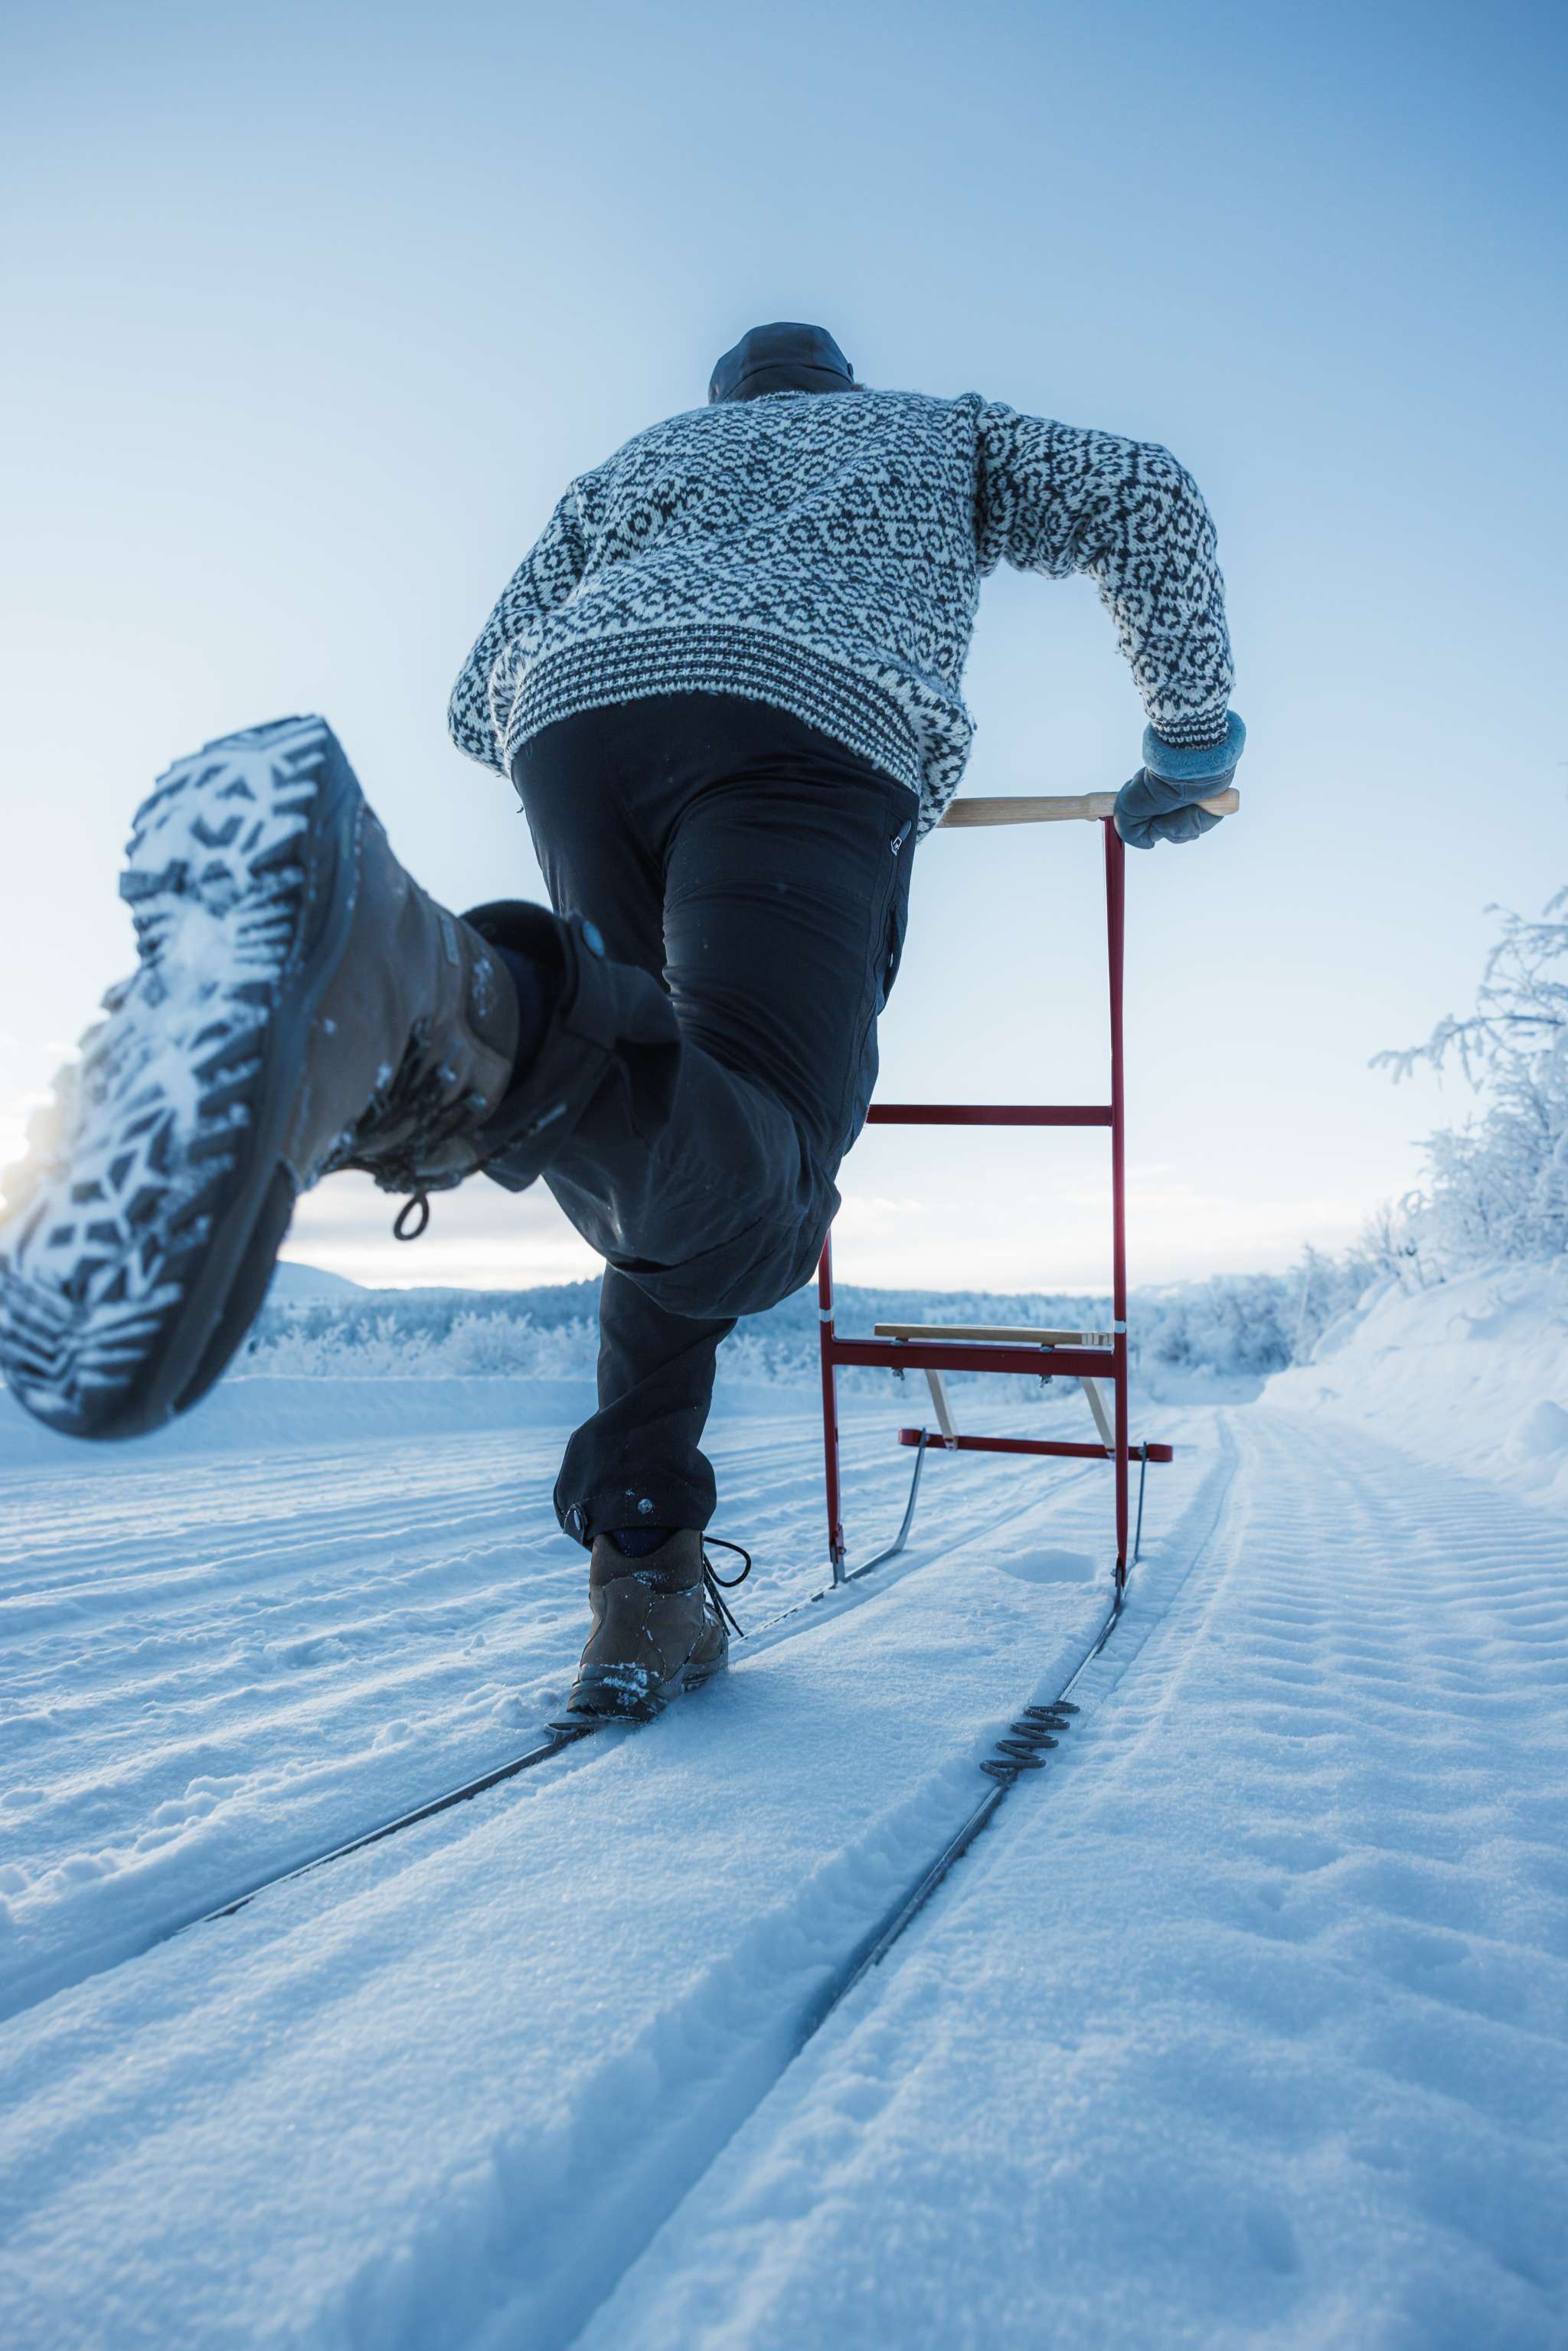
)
(134, 1265)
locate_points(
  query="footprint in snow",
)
(1542, 1436)
(176, 1811)
(81, 1869)
(1044, 1566)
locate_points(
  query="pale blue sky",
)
(314, 310)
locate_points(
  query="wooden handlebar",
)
(1093, 806)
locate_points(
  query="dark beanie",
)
(782, 358)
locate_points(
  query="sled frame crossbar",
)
(1098, 1359)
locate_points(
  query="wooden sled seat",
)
(1009, 1334)
(1002, 1335)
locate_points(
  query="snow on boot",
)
(299, 1005)
(660, 1627)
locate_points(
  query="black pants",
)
(761, 872)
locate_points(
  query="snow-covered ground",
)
(1472, 1373)
(1245, 2022)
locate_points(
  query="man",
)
(725, 685)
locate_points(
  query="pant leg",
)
(639, 1458)
(785, 883)
(785, 864)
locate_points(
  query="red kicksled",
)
(1097, 1358)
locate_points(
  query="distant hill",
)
(290, 1282)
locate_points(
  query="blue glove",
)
(1160, 802)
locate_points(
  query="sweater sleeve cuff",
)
(1190, 763)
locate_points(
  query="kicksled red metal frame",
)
(1096, 1358)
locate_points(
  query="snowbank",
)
(1472, 1374)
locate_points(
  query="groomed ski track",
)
(1246, 2021)
(414, 1630)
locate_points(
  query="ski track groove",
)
(301, 1989)
(210, 1757)
(1389, 1667)
(1094, 1682)
(1391, 1960)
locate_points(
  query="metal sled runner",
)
(1096, 1358)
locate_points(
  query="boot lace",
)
(418, 1096)
(416, 1205)
(718, 1586)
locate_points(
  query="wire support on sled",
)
(923, 1439)
(842, 1574)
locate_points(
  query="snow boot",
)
(660, 1627)
(299, 1005)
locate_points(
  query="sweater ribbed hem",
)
(1200, 734)
(714, 659)
(1179, 762)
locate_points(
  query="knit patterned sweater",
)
(823, 552)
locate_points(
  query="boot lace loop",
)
(416, 1105)
(718, 1586)
(416, 1205)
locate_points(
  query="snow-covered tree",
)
(1497, 1186)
